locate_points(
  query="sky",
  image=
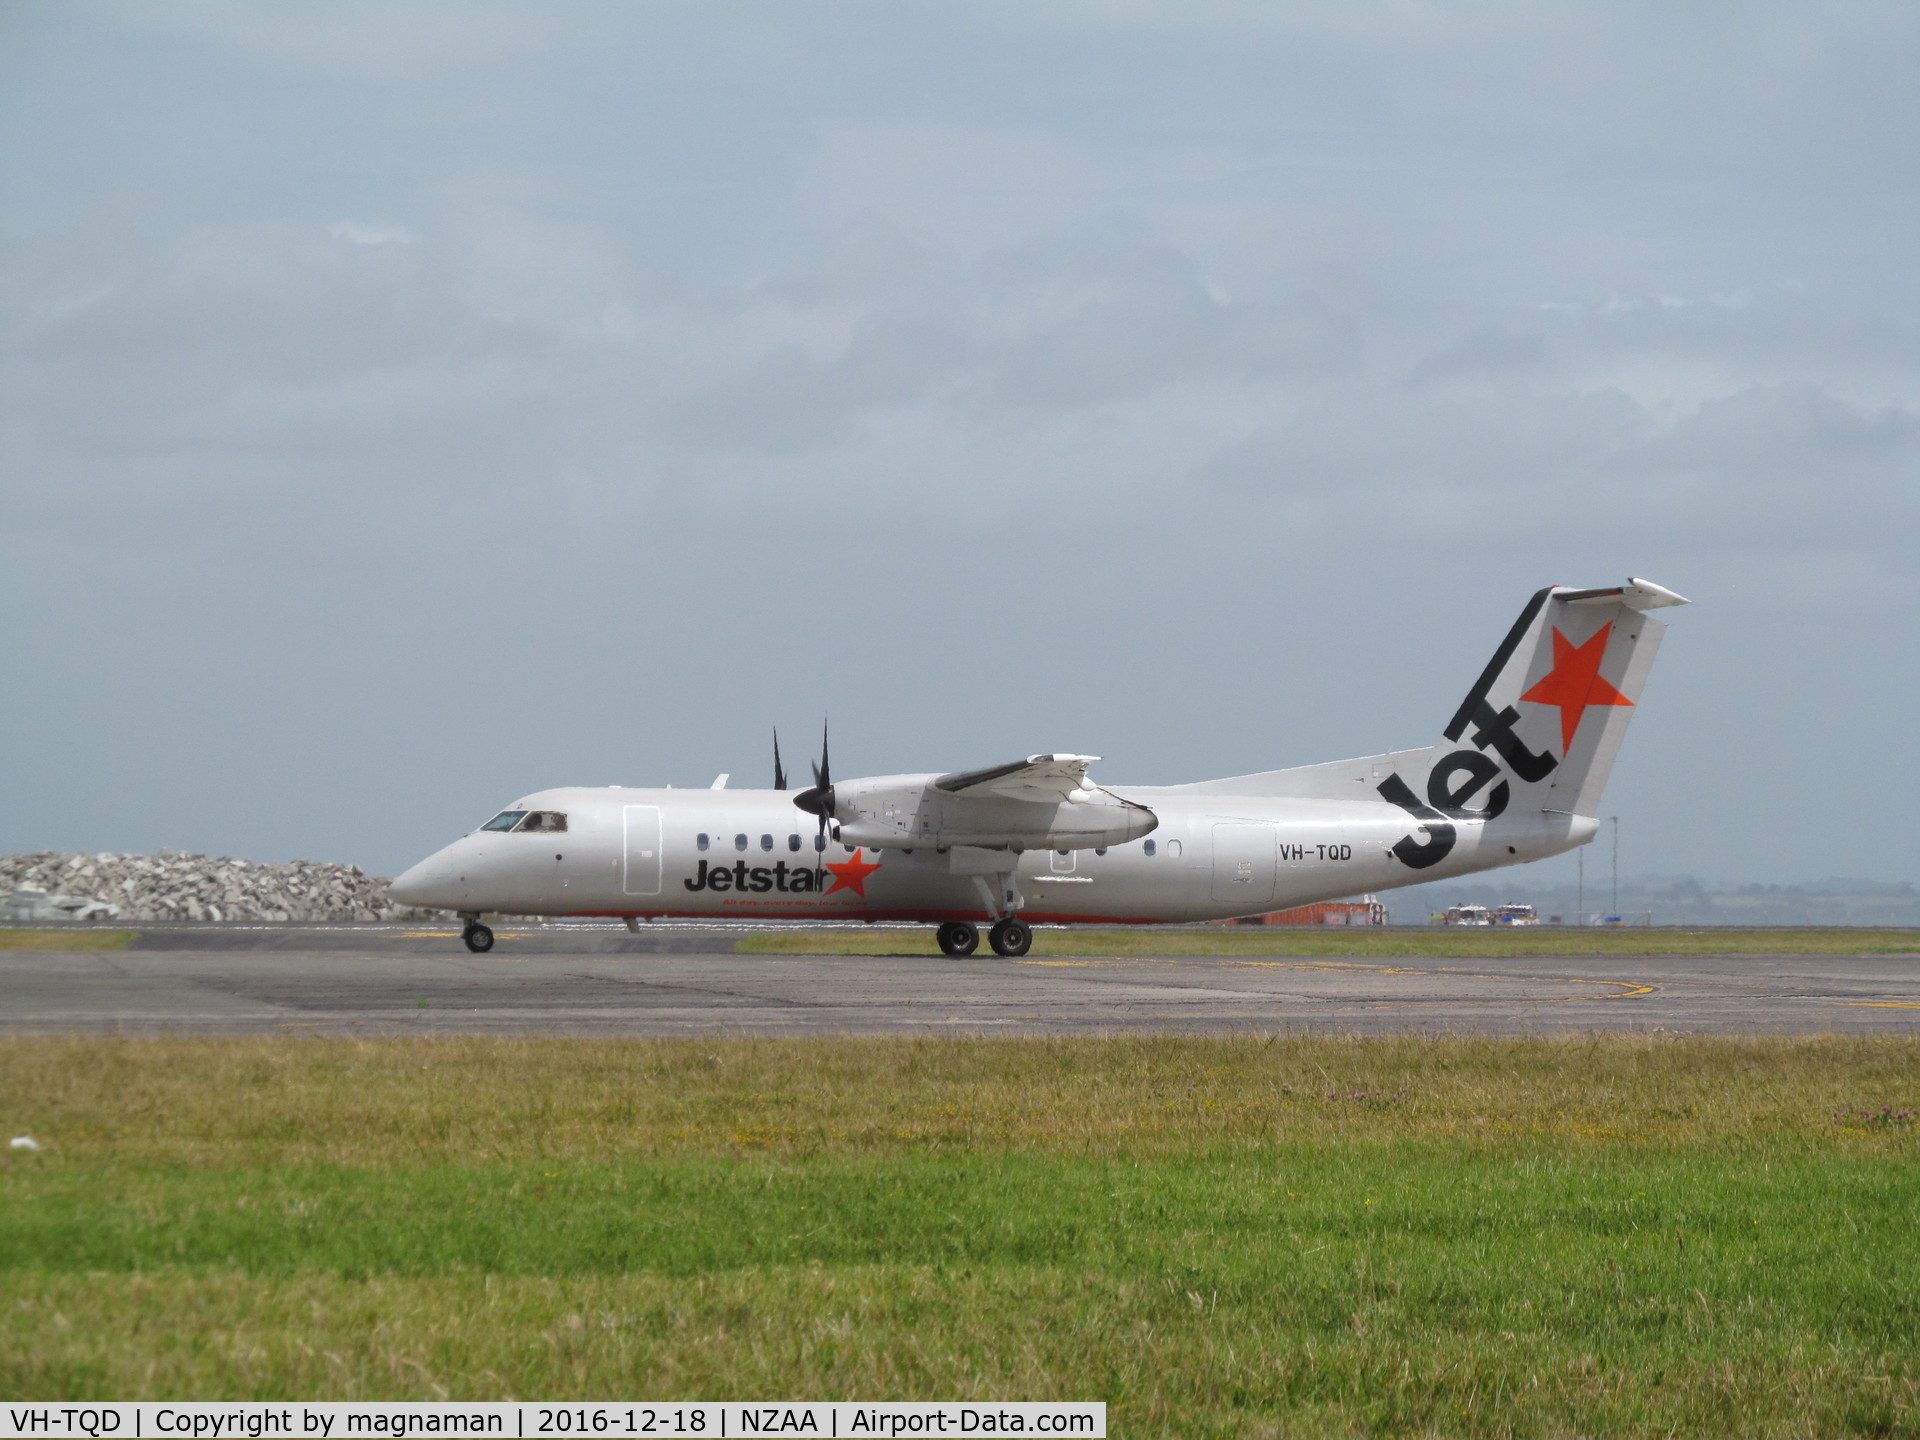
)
(405, 407)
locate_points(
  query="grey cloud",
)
(357, 38)
(1201, 392)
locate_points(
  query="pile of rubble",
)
(171, 886)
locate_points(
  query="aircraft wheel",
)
(1011, 938)
(957, 939)
(479, 939)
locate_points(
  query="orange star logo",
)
(852, 875)
(1574, 683)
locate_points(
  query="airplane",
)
(1516, 775)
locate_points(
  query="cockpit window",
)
(546, 822)
(505, 820)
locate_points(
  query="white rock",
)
(172, 885)
(23, 1142)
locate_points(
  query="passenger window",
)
(766, 842)
(1173, 849)
(1148, 847)
(793, 842)
(700, 840)
(739, 842)
(505, 820)
(819, 842)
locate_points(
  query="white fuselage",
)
(1516, 775)
(639, 853)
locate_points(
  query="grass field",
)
(1445, 1236)
(1361, 942)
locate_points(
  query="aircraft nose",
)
(425, 885)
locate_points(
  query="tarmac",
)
(686, 980)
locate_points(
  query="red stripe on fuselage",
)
(930, 917)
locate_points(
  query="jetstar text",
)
(759, 879)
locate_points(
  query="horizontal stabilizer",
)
(1635, 595)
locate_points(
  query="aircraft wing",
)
(1049, 778)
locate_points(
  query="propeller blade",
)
(779, 775)
(819, 799)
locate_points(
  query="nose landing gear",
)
(478, 937)
(958, 938)
(1010, 937)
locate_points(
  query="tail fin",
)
(1541, 726)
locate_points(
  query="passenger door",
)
(640, 850)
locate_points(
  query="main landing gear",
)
(1010, 937)
(1000, 898)
(958, 938)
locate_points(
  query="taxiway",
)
(683, 980)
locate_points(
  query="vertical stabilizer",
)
(1539, 730)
